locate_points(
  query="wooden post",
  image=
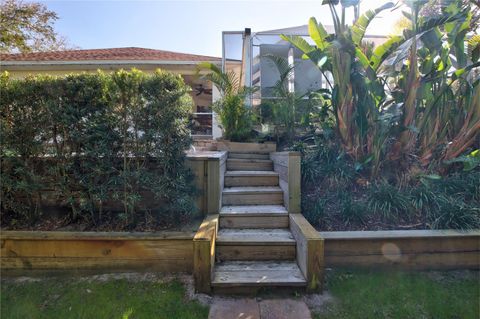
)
(204, 253)
(294, 182)
(310, 251)
(213, 187)
(215, 178)
(199, 168)
(287, 165)
(209, 168)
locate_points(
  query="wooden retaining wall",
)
(96, 251)
(25, 252)
(411, 249)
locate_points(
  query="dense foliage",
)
(338, 193)
(415, 98)
(95, 144)
(398, 125)
(235, 117)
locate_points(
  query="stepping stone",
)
(234, 309)
(284, 309)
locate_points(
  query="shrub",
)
(387, 200)
(351, 211)
(235, 117)
(454, 214)
(97, 142)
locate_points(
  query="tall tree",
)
(28, 27)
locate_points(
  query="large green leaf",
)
(318, 34)
(298, 42)
(473, 47)
(361, 25)
(382, 51)
(362, 58)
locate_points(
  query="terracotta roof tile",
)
(132, 53)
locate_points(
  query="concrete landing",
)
(247, 308)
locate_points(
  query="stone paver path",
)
(265, 309)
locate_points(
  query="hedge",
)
(95, 143)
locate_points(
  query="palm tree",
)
(235, 117)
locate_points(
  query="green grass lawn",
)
(363, 294)
(111, 299)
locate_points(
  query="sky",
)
(187, 26)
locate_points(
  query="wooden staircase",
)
(254, 246)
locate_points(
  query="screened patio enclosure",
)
(247, 53)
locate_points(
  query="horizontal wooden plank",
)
(236, 164)
(47, 263)
(385, 234)
(251, 155)
(400, 246)
(412, 249)
(424, 261)
(250, 173)
(238, 221)
(254, 180)
(252, 190)
(169, 249)
(47, 235)
(253, 199)
(255, 237)
(258, 252)
(231, 274)
(254, 210)
(206, 155)
(238, 147)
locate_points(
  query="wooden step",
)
(251, 178)
(241, 164)
(266, 195)
(254, 216)
(257, 274)
(249, 155)
(255, 244)
(249, 236)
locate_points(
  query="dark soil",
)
(373, 223)
(110, 222)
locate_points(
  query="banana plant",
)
(341, 55)
(438, 102)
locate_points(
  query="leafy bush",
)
(94, 143)
(235, 117)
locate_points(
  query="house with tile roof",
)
(20, 65)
